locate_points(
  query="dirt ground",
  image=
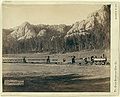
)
(57, 78)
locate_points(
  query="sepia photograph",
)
(56, 48)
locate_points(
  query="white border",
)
(114, 49)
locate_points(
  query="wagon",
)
(100, 61)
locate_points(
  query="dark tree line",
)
(55, 44)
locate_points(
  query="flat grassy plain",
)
(57, 77)
(52, 77)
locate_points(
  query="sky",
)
(14, 15)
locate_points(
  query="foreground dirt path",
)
(52, 77)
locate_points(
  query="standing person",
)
(64, 59)
(92, 59)
(86, 61)
(103, 55)
(73, 60)
(105, 59)
(48, 59)
(24, 60)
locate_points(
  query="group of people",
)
(73, 60)
(91, 59)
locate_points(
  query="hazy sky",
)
(45, 14)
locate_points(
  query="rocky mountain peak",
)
(25, 23)
(105, 8)
(97, 18)
(97, 27)
(24, 31)
(90, 33)
(41, 33)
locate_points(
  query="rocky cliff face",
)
(22, 32)
(34, 38)
(91, 33)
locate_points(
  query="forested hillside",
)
(91, 33)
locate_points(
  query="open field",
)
(53, 77)
(41, 58)
(80, 54)
(57, 77)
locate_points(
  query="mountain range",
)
(88, 34)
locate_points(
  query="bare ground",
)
(57, 78)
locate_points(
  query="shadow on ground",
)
(59, 83)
